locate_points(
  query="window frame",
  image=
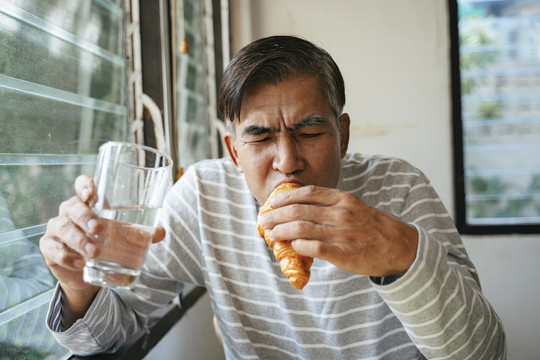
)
(462, 224)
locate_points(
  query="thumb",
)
(85, 188)
(159, 234)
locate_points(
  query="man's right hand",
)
(65, 245)
(68, 241)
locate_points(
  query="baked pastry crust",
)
(295, 266)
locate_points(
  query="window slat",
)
(508, 221)
(526, 69)
(501, 122)
(47, 159)
(503, 147)
(502, 196)
(25, 306)
(29, 88)
(501, 171)
(59, 33)
(22, 234)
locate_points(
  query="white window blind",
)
(62, 77)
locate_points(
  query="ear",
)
(228, 139)
(344, 125)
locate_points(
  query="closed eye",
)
(254, 134)
(309, 136)
(267, 138)
(259, 139)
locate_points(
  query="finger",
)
(327, 252)
(66, 232)
(57, 253)
(312, 248)
(285, 214)
(306, 195)
(299, 230)
(85, 188)
(317, 214)
(159, 234)
(80, 213)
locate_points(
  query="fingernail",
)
(85, 194)
(79, 263)
(90, 249)
(92, 225)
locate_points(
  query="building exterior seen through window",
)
(498, 182)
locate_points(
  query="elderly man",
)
(390, 279)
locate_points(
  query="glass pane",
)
(56, 60)
(191, 90)
(23, 306)
(34, 191)
(96, 22)
(26, 284)
(34, 124)
(20, 336)
(500, 85)
(62, 76)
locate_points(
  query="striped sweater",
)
(435, 311)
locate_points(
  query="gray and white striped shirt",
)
(436, 310)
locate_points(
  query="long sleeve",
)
(113, 316)
(103, 329)
(439, 300)
(116, 314)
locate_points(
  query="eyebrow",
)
(254, 130)
(311, 120)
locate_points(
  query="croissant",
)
(295, 266)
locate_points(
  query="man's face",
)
(287, 133)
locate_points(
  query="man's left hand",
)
(338, 227)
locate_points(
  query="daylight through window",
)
(497, 115)
(62, 72)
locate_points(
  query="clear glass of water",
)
(131, 181)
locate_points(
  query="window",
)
(64, 90)
(195, 81)
(496, 101)
(62, 76)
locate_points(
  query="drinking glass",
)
(131, 181)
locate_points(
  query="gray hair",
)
(272, 59)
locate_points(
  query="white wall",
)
(394, 56)
(192, 338)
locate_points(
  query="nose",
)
(287, 158)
